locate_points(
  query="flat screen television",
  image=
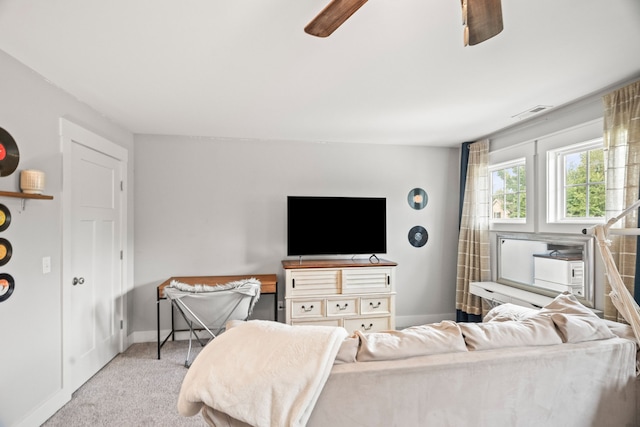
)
(336, 225)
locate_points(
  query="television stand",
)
(356, 294)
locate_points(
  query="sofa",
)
(557, 366)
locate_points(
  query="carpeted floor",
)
(134, 389)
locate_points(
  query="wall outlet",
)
(280, 305)
(46, 265)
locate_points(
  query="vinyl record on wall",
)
(418, 236)
(5, 217)
(5, 251)
(6, 286)
(417, 198)
(9, 154)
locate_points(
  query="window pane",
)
(508, 192)
(596, 165)
(511, 180)
(497, 183)
(576, 202)
(596, 200)
(523, 205)
(575, 168)
(523, 179)
(511, 208)
(497, 207)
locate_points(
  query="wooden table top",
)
(268, 282)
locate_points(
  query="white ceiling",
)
(395, 73)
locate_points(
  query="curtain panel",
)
(473, 241)
(621, 140)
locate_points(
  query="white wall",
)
(216, 207)
(30, 331)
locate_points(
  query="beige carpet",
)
(134, 389)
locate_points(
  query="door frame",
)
(71, 133)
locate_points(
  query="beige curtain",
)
(622, 157)
(473, 241)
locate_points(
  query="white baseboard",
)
(46, 410)
(152, 336)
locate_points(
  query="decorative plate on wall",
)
(5, 217)
(5, 251)
(418, 236)
(6, 286)
(417, 198)
(9, 154)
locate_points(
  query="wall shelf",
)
(25, 195)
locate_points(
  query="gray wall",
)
(31, 319)
(217, 207)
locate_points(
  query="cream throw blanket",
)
(262, 373)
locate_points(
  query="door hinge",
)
(121, 255)
(121, 185)
(121, 324)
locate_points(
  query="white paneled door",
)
(93, 284)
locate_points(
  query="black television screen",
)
(336, 225)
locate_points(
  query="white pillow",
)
(435, 338)
(347, 351)
(508, 311)
(575, 322)
(534, 331)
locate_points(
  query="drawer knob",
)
(366, 328)
(307, 309)
(342, 307)
(375, 306)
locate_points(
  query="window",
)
(576, 183)
(508, 191)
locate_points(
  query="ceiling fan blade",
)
(483, 20)
(332, 16)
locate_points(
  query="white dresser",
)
(355, 294)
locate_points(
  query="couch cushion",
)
(435, 338)
(508, 311)
(575, 322)
(534, 331)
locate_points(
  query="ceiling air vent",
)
(531, 111)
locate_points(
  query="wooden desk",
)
(268, 285)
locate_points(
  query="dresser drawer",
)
(368, 324)
(314, 282)
(366, 280)
(320, 322)
(342, 307)
(375, 305)
(301, 309)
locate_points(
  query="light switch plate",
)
(46, 265)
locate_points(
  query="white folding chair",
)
(209, 308)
